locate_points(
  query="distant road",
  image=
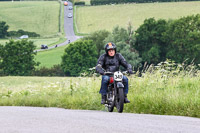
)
(57, 120)
(68, 28)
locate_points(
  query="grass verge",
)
(149, 94)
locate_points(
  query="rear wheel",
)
(120, 101)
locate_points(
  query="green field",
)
(38, 16)
(149, 94)
(93, 18)
(41, 17)
(51, 57)
(89, 19)
(87, 2)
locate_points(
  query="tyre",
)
(111, 102)
(111, 108)
(120, 100)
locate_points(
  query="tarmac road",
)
(57, 120)
(68, 28)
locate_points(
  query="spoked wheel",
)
(111, 101)
(120, 101)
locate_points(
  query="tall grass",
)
(93, 18)
(38, 16)
(155, 92)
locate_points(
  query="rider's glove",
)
(130, 71)
(101, 72)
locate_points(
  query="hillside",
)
(50, 57)
(93, 18)
(38, 16)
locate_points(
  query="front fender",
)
(120, 85)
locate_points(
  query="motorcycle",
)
(115, 94)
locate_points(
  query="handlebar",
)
(108, 73)
(111, 73)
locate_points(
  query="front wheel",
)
(120, 100)
(111, 102)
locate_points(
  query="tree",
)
(17, 58)
(150, 42)
(3, 29)
(124, 40)
(130, 56)
(120, 34)
(183, 38)
(79, 57)
(98, 38)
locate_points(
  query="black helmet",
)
(109, 46)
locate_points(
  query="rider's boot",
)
(103, 99)
(126, 99)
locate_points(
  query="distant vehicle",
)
(23, 37)
(70, 7)
(69, 15)
(65, 3)
(44, 46)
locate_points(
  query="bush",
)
(78, 57)
(104, 2)
(2, 73)
(124, 40)
(22, 32)
(17, 58)
(3, 29)
(150, 42)
(98, 38)
(56, 70)
(80, 3)
(179, 40)
(183, 39)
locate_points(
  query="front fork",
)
(117, 86)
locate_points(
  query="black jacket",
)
(111, 64)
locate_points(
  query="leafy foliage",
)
(22, 32)
(130, 56)
(56, 70)
(3, 29)
(80, 3)
(98, 38)
(17, 57)
(4, 32)
(183, 38)
(150, 42)
(104, 2)
(178, 40)
(125, 39)
(78, 57)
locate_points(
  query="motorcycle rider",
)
(111, 61)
